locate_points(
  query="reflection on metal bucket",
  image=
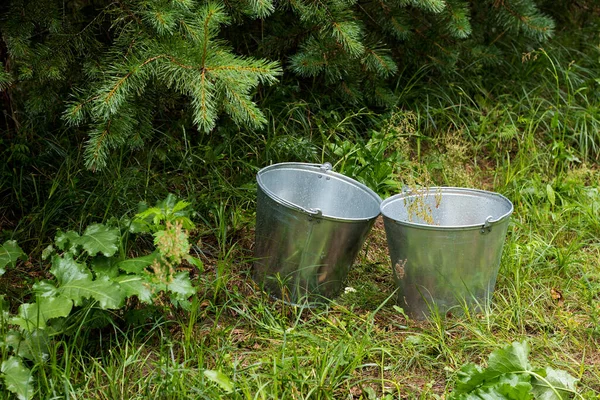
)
(445, 246)
(310, 224)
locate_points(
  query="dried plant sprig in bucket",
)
(417, 202)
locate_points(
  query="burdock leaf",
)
(507, 374)
(35, 315)
(513, 358)
(105, 266)
(17, 378)
(515, 386)
(137, 265)
(557, 382)
(33, 345)
(99, 238)
(181, 286)
(66, 269)
(470, 376)
(108, 294)
(135, 285)
(10, 252)
(66, 241)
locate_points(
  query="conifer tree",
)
(114, 67)
(355, 45)
(120, 80)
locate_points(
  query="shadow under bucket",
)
(311, 223)
(445, 246)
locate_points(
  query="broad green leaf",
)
(11, 339)
(502, 366)
(10, 252)
(28, 317)
(135, 285)
(108, 294)
(488, 393)
(35, 315)
(181, 286)
(168, 203)
(67, 241)
(137, 265)
(31, 345)
(65, 269)
(54, 307)
(99, 238)
(139, 226)
(17, 378)
(45, 289)
(105, 266)
(513, 386)
(220, 379)
(557, 382)
(510, 359)
(168, 209)
(470, 376)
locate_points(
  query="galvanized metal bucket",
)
(311, 223)
(445, 245)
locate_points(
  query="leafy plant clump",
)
(89, 271)
(509, 375)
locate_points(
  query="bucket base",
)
(427, 306)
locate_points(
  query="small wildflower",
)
(349, 289)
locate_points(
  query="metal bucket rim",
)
(496, 221)
(313, 167)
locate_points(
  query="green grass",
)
(535, 141)
(360, 344)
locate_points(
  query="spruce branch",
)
(433, 6)
(457, 19)
(348, 34)
(261, 8)
(203, 103)
(377, 61)
(521, 15)
(399, 27)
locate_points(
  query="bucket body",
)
(445, 246)
(310, 224)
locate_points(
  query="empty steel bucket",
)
(311, 223)
(445, 245)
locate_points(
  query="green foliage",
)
(88, 273)
(167, 211)
(379, 161)
(119, 61)
(117, 70)
(10, 252)
(220, 379)
(509, 375)
(178, 47)
(17, 378)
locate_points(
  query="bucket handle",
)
(315, 212)
(310, 211)
(487, 225)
